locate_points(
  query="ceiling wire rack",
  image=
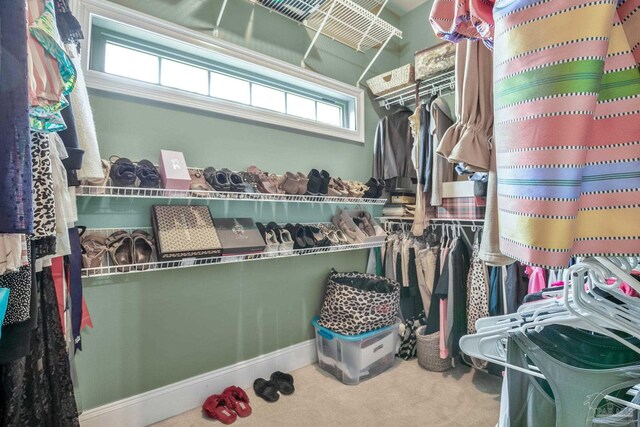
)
(354, 23)
(161, 193)
(439, 84)
(108, 269)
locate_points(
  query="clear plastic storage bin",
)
(355, 358)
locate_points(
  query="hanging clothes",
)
(441, 169)
(567, 120)
(490, 245)
(468, 140)
(16, 200)
(477, 290)
(392, 147)
(36, 389)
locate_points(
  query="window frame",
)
(85, 10)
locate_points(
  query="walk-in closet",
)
(319, 213)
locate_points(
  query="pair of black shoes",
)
(376, 188)
(124, 172)
(307, 236)
(279, 382)
(318, 184)
(224, 180)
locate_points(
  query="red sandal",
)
(238, 400)
(218, 407)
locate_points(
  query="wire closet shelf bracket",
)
(439, 84)
(354, 23)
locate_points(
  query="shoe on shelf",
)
(324, 187)
(217, 407)
(217, 179)
(286, 241)
(329, 233)
(93, 248)
(147, 174)
(249, 182)
(373, 189)
(320, 240)
(199, 185)
(337, 189)
(123, 172)
(237, 400)
(236, 183)
(120, 248)
(303, 181)
(290, 183)
(143, 248)
(297, 236)
(315, 183)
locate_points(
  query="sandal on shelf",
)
(320, 240)
(337, 189)
(267, 390)
(148, 174)
(284, 382)
(329, 234)
(143, 245)
(93, 249)
(123, 172)
(120, 248)
(237, 400)
(217, 179)
(217, 407)
(198, 184)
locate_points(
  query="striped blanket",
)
(567, 128)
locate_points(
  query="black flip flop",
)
(267, 390)
(283, 381)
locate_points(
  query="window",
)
(232, 81)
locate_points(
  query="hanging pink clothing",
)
(537, 279)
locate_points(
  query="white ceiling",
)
(400, 7)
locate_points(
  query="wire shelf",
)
(109, 270)
(354, 23)
(442, 83)
(159, 193)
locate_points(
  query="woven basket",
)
(394, 79)
(428, 349)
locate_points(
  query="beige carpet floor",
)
(405, 395)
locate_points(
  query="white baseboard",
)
(168, 401)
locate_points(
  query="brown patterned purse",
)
(184, 231)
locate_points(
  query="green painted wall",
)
(153, 329)
(420, 35)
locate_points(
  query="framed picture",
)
(435, 60)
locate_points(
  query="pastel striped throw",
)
(567, 128)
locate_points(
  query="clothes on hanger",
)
(568, 180)
(468, 140)
(392, 148)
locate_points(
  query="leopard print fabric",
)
(351, 311)
(44, 219)
(477, 291)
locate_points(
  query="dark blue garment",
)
(16, 200)
(495, 276)
(73, 268)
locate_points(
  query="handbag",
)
(184, 231)
(4, 303)
(355, 303)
